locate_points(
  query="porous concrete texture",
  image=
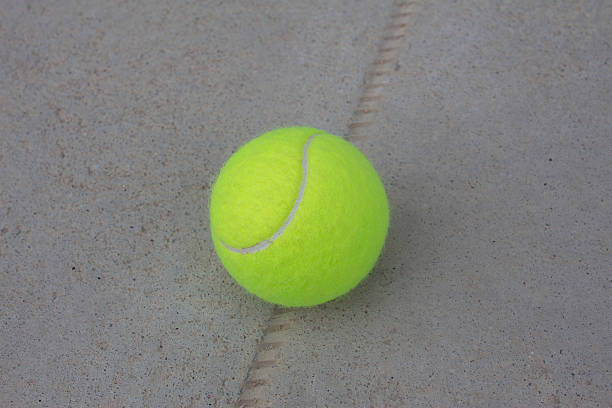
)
(494, 142)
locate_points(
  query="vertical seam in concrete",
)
(395, 39)
(268, 354)
(268, 358)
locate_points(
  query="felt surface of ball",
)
(298, 216)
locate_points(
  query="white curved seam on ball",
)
(267, 242)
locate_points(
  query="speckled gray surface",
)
(495, 144)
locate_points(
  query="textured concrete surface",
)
(495, 144)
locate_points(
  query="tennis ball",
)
(298, 216)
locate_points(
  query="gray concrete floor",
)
(494, 143)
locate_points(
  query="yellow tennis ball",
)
(298, 216)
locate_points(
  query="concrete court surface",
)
(494, 141)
